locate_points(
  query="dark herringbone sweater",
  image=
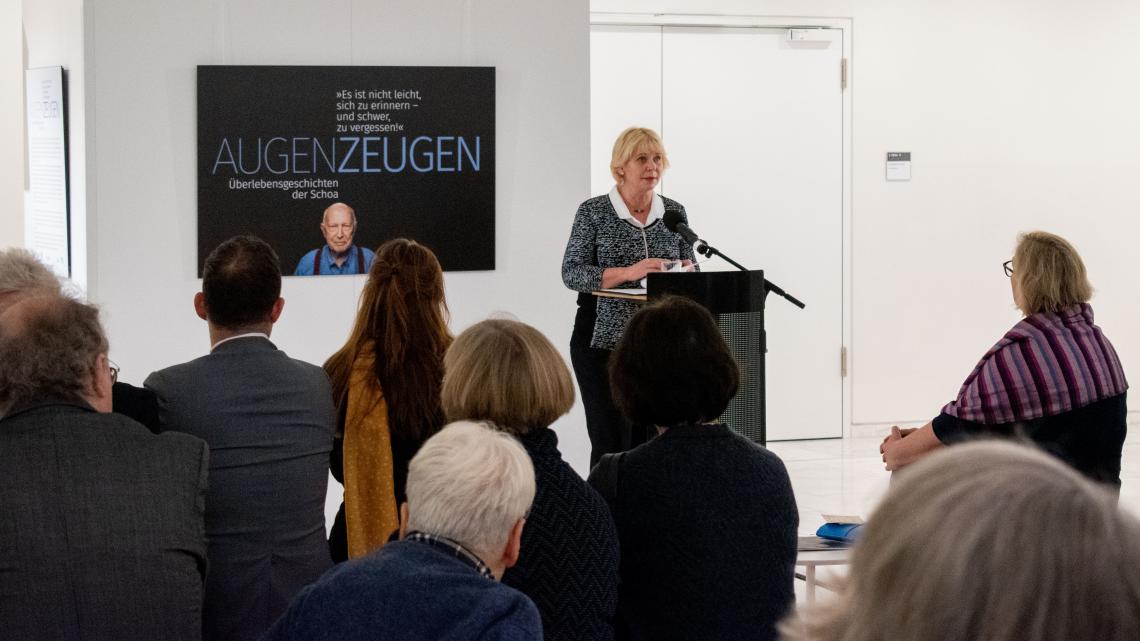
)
(568, 564)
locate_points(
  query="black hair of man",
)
(240, 282)
(672, 367)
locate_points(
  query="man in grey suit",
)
(101, 521)
(269, 421)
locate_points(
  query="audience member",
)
(21, 274)
(988, 540)
(1053, 378)
(269, 422)
(100, 520)
(385, 380)
(469, 488)
(706, 518)
(509, 374)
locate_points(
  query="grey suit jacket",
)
(101, 531)
(269, 421)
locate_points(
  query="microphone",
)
(675, 223)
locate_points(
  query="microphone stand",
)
(708, 250)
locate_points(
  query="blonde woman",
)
(988, 540)
(507, 373)
(1054, 378)
(617, 239)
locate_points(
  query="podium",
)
(736, 300)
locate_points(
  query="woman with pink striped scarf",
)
(1053, 379)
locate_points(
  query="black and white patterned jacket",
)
(601, 239)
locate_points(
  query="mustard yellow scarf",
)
(369, 492)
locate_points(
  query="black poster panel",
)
(410, 149)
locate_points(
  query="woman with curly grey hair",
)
(988, 540)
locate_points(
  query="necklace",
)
(636, 210)
(633, 209)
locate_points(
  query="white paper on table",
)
(843, 519)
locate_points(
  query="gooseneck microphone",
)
(675, 222)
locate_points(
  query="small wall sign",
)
(898, 165)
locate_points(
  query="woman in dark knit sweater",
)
(507, 373)
(706, 518)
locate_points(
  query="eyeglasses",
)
(114, 367)
(1007, 266)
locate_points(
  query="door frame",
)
(845, 26)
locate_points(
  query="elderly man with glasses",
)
(102, 521)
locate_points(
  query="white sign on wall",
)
(45, 210)
(898, 165)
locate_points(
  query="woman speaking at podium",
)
(617, 239)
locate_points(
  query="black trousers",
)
(609, 431)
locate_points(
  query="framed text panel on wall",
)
(411, 150)
(47, 227)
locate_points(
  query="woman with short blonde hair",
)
(1050, 274)
(1054, 378)
(616, 241)
(988, 541)
(629, 143)
(507, 373)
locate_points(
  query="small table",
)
(812, 559)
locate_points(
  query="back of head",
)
(1050, 273)
(22, 274)
(672, 366)
(470, 483)
(992, 540)
(403, 316)
(49, 346)
(508, 373)
(241, 281)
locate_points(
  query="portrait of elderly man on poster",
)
(339, 255)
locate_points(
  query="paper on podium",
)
(632, 293)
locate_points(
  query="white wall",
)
(143, 62)
(1020, 115)
(11, 125)
(53, 36)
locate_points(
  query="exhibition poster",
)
(327, 163)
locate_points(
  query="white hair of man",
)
(22, 273)
(325, 214)
(470, 483)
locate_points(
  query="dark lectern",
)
(736, 300)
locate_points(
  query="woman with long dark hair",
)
(386, 381)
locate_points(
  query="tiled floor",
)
(835, 476)
(846, 476)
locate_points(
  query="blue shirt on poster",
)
(356, 255)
